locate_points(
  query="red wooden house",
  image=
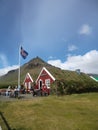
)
(28, 81)
(44, 79)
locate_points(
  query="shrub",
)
(62, 87)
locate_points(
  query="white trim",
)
(29, 77)
(47, 72)
(93, 78)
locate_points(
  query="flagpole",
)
(24, 55)
(19, 69)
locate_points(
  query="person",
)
(22, 90)
(12, 92)
(16, 91)
(8, 91)
(44, 89)
(34, 92)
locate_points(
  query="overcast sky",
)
(63, 33)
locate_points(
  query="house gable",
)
(28, 78)
(44, 72)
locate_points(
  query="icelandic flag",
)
(23, 53)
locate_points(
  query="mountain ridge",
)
(34, 67)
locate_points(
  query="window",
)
(47, 83)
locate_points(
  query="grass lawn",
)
(71, 112)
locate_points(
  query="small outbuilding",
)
(28, 81)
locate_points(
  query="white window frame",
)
(47, 83)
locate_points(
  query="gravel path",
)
(21, 97)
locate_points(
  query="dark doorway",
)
(40, 84)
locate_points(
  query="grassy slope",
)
(74, 112)
(34, 67)
(12, 78)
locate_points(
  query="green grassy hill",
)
(71, 112)
(34, 67)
